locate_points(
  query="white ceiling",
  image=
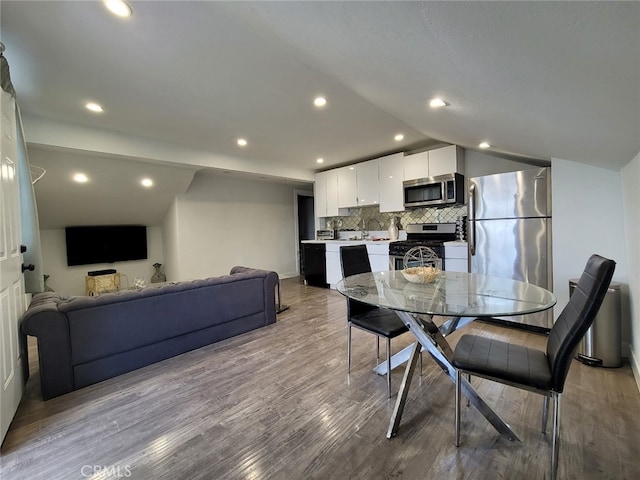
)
(535, 79)
(113, 194)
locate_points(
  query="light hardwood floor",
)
(277, 403)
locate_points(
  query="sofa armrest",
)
(271, 279)
(51, 328)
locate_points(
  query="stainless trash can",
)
(601, 346)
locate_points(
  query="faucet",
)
(364, 232)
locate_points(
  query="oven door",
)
(396, 262)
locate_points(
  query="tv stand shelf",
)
(95, 285)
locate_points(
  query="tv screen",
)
(105, 244)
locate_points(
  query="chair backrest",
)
(354, 259)
(577, 317)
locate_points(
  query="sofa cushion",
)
(122, 321)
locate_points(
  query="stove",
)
(432, 235)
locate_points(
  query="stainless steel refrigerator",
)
(509, 232)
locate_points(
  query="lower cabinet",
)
(456, 256)
(314, 264)
(378, 257)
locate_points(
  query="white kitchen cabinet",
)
(416, 166)
(446, 160)
(391, 175)
(367, 183)
(456, 256)
(379, 181)
(378, 257)
(326, 194)
(320, 194)
(332, 193)
(439, 161)
(347, 187)
(334, 269)
(358, 185)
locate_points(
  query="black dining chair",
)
(381, 322)
(531, 369)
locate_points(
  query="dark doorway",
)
(306, 224)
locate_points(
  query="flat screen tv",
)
(105, 244)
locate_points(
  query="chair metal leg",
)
(545, 413)
(458, 393)
(555, 449)
(348, 347)
(468, 380)
(377, 347)
(420, 363)
(389, 367)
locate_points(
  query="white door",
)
(11, 281)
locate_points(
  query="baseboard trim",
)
(635, 366)
(282, 276)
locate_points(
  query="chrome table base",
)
(439, 349)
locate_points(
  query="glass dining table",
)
(457, 296)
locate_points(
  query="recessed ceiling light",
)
(242, 142)
(146, 182)
(94, 107)
(398, 137)
(80, 178)
(118, 7)
(352, 168)
(484, 145)
(320, 160)
(437, 103)
(320, 102)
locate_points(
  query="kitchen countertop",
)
(345, 241)
(344, 235)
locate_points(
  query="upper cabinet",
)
(446, 160)
(367, 180)
(347, 187)
(432, 163)
(391, 175)
(379, 181)
(326, 194)
(358, 185)
(416, 166)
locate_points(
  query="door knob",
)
(31, 267)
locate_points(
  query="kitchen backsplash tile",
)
(381, 221)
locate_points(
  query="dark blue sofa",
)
(84, 340)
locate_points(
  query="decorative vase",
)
(158, 276)
(393, 229)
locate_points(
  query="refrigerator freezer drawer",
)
(517, 248)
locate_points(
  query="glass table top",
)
(450, 294)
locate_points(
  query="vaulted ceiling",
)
(534, 79)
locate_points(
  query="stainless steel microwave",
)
(440, 191)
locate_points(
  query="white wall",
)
(588, 218)
(171, 249)
(631, 197)
(71, 280)
(222, 222)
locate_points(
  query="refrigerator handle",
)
(472, 217)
